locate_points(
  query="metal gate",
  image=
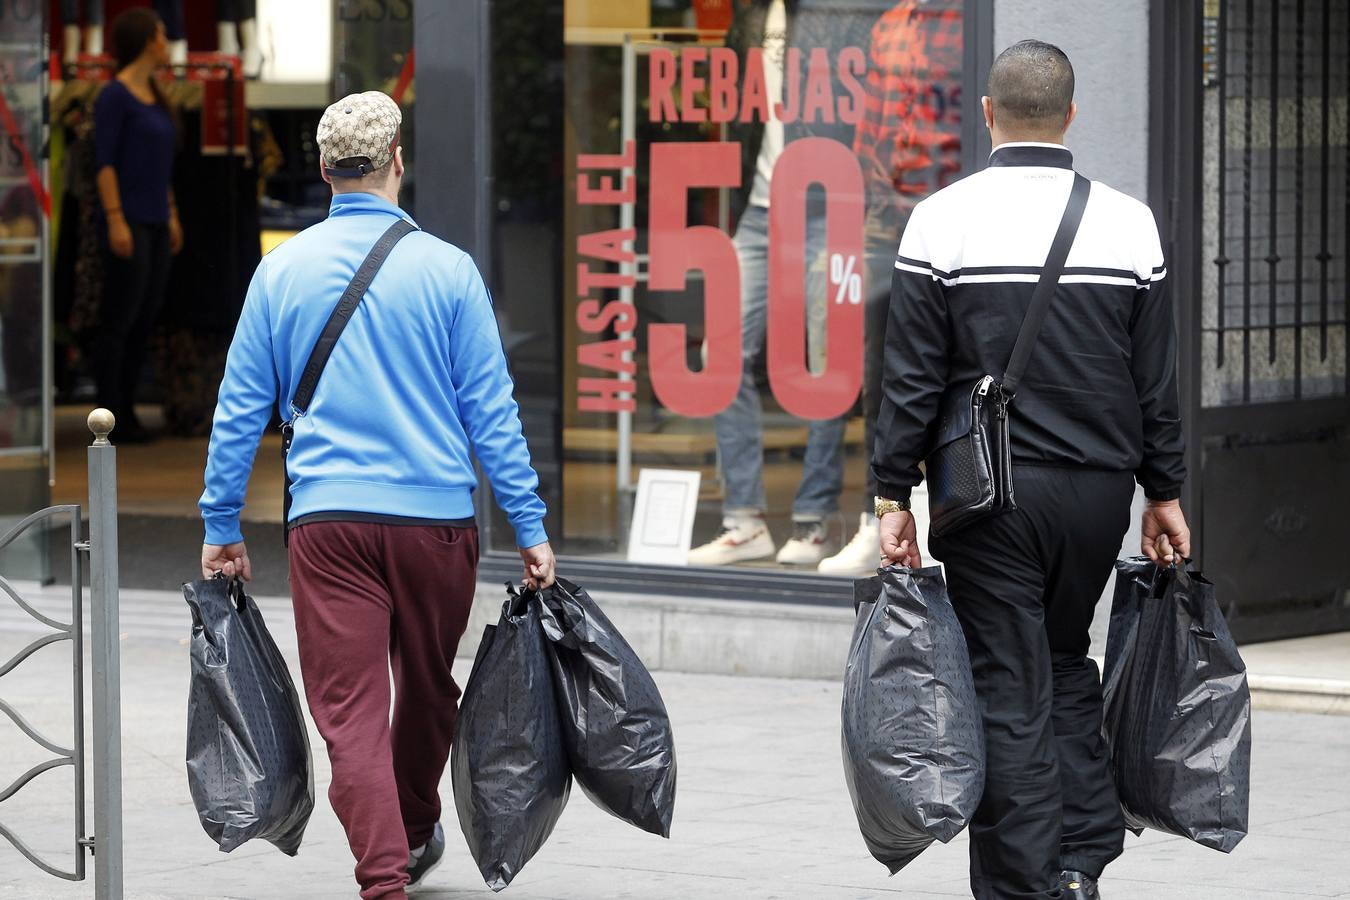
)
(72, 631)
(1250, 167)
(106, 841)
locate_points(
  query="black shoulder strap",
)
(1045, 288)
(342, 313)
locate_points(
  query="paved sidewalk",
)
(762, 810)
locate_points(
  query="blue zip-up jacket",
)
(416, 382)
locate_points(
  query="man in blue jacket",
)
(383, 547)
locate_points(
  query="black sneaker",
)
(427, 857)
(1077, 886)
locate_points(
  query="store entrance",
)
(245, 178)
(239, 190)
(24, 298)
(1250, 154)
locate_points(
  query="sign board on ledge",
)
(606, 14)
(663, 516)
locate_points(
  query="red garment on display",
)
(909, 139)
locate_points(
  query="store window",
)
(697, 213)
(25, 208)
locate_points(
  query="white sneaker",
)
(741, 540)
(861, 555)
(809, 544)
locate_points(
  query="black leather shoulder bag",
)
(969, 468)
(323, 347)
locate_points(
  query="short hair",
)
(348, 184)
(1031, 83)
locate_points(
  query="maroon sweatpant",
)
(368, 596)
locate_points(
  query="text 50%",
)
(847, 282)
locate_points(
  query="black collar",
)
(1045, 155)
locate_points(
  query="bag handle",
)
(342, 314)
(1045, 287)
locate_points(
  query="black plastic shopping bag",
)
(614, 723)
(912, 732)
(508, 764)
(1178, 709)
(248, 760)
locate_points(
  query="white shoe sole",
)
(748, 552)
(799, 557)
(851, 567)
(421, 882)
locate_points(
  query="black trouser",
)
(1024, 585)
(170, 12)
(133, 293)
(236, 10)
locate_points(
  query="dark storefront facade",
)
(598, 157)
(1256, 235)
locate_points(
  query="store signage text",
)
(676, 248)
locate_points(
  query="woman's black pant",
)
(133, 293)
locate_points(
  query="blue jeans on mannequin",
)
(739, 426)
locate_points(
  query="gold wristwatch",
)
(885, 507)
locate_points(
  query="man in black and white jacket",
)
(1097, 410)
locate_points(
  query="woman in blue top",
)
(135, 137)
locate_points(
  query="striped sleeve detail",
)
(919, 267)
(1028, 274)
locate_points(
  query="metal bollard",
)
(107, 666)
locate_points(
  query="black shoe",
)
(1077, 886)
(426, 857)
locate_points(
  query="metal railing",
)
(1278, 312)
(72, 631)
(105, 844)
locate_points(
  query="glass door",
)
(25, 285)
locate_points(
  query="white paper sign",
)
(663, 516)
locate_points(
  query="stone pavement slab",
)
(762, 810)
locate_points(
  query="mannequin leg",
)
(70, 43)
(93, 39)
(227, 41)
(252, 54)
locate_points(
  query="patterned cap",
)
(359, 126)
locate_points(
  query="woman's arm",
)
(109, 113)
(119, 232)
(175, 227)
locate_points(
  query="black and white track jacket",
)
(1100, 390)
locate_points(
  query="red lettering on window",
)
(754, 95)
(661, 75)
(675, 248)
(691, 84)
(723, 69)
(831, 393)
(819, 103)
(605, 395)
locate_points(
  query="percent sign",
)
(848, 282)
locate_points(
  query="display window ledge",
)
(717, 583)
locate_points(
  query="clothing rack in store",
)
(185, 89)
